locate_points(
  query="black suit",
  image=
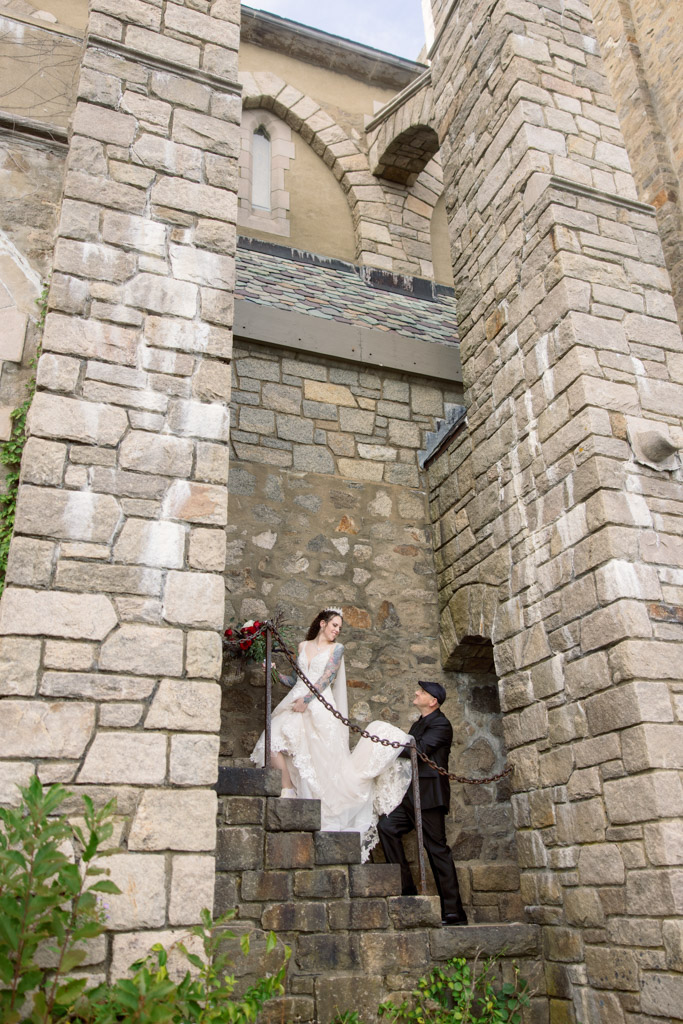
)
(433, 736)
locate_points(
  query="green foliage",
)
(50, 886)
(203, 996)
(456, 994)
(48, 904)
(12, 449)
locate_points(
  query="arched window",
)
(261, 169)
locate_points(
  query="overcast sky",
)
(391, 25)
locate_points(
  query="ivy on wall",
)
(12, 449)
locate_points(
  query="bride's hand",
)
(299, 705)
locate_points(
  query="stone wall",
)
(642, 45)
(110, 624)
(327, 506)
(559, 507)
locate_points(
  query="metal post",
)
(269, 696)
(417, 804)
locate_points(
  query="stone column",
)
(573, 364)
(112, 617)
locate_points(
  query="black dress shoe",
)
(452, 920)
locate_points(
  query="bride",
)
(311, 747)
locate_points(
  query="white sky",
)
(391, 25)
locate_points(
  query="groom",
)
(433, 736)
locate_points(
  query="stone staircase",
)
(355, 940)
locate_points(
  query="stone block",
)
(75, 419)
(337, 848)
(414, 911)
(90, 339)
(54, 729)
(197, 338)
(664, 842)
(141, 877)
(43, 462)
(375, 879)
(127, 947)
(641, 798)
(654, 893)
(266, 885)
(338, 992)
(601, 864)
(57, 373)
(395, 952)
(321, 883)
(243, 810)
(94, 685)
(30, 562)
(289, 850)
(138, 233)
(495, 877)
(292, 815)
(672, 934)
(189, 196)
(207, 550)
(662, 995)
(19, 663)
(226, 896)
(14, 774)
(333, 394)
(185, 704)
(652, 746)
(162, 294)
(194, 599)
(612, 968)
(125, 757)
(93, 260)
(197, 503)
(356, 421)
(203, 654)
(194, 760)
(71, 616)
(145, 542)
(212, 382)
(13, 334)
(143, 650)
(248, 781)
(192, 888)
(358, 915)
(328, 953)
(161, 454)
(239, 848)
(297, 916)
(120, 716)
(617, 621)
(632, 703)
(69, 515)
(174, 819)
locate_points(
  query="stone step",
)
(337, 847)
(292, 815)
(234, 781)
(375, 880)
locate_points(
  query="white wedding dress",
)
(354, 788)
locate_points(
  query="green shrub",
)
(51, 881)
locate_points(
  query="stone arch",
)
(323, 134)
(407, 155)
(467, 628)
(401, 136)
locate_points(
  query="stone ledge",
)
(489, 939)
(248, 782)
(292, 815)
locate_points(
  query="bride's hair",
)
(324, 616)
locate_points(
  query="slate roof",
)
(333, 290)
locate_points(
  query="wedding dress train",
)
(354, 787)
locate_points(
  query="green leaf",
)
(105, 885)
(69, 992)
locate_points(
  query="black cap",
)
(434, 689)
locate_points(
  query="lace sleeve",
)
(329, 675)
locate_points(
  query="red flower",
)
(245, 645)
(257, 625)
(228, 632)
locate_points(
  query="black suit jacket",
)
(433, 736)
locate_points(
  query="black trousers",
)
(401, 821)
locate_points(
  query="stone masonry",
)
(559, 507)
(110, 623)
(354, 941)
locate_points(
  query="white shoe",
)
(288, 794)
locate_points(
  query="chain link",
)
(283, 649)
